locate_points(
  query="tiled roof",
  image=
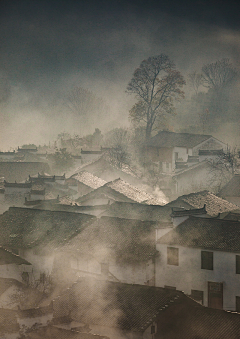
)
(201, 323)
(8, 322)
(35, 312)
(6, 283)
(128, 190)
(137, 211)
(19, 171)
(7, 257)
(119, 190)
(123, 306)
(27, 228)
(206, 233)
(128, 241)
(171, 139)
(89, 179)
(214, 204)
(232, 188)
(50, 332)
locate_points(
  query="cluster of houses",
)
(96, 253)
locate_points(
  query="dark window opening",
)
(238, 304)
(237, 264)
(172, 256)
(206, 260)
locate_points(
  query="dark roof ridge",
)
(117, 283)
(215, 219)
(191, 211)
(47, 211)
(119, 218)
(186, 133)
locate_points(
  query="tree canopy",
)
(155, 83)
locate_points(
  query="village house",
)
(201, 257)
(118, 310)
(115, 249)
(7, 156)
(167, 148)
(35, 234)
(119, 190)
(84, 182)
(20, 170)
(104, 169)
(12, 266)
(214, 204)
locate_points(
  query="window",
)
(238, 304)
(237, 264)
(176, 156)
(206, 260)
(104, 268)
(197, 295)
(172, 256)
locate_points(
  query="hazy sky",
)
(47, 47)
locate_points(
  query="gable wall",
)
(210, 144)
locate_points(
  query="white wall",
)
(183, 154)
(189, 275)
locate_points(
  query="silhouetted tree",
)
(218, 75)
(156, 84)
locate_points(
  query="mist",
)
(46, 50)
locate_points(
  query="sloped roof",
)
(8, 322)
(172, 139)
(138, 211)
(123, 306)
(89, 179)
(131, 191)
(214, 204)
(6, 283)
(50, 332)
(200, 322)
(205, 233)
(128, 241)
(7, 257)
(20, 170)
(232, 188)
(27, 228)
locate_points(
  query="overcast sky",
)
(47, 47)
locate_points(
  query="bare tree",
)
(223, 167)
(219, 74)
(118, 141)
(156, 84)
(84, 103)
(195, 80)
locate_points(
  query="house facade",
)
(168, 148)
(201, 257)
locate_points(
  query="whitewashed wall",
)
(189, 275)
